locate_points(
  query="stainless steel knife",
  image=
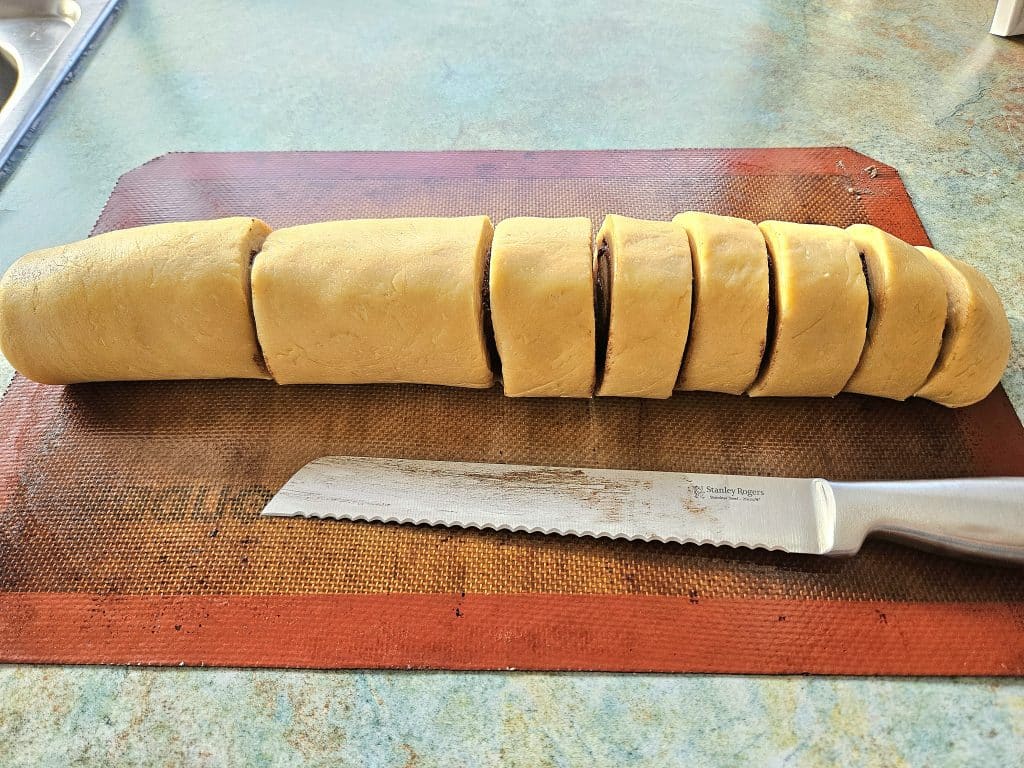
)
(976, 517)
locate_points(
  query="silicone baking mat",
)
(129, 517)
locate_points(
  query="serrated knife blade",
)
(975, 517)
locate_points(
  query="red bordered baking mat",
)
(129, 527)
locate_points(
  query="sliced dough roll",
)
(644, 276)
(542, 306)
(730, 303)
(644, 268)
(908, 312)
(375, 300)
(821, 304)
(976, 342)
(167, 301)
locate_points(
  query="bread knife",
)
(971, 517)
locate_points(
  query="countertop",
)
(920, 86)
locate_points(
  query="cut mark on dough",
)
(493, 359)
(768, 347)
(258, 356)
(694, 297)
(867, 284)
(945, 348)
(602, 309)
(867, 322)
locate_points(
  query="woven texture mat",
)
(130, 528)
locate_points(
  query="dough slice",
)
(167, 301)
(375, 300)
(542, 306)
(976, 342)
(905, 321)
(644, 268)
(820, 301)
(730, 303)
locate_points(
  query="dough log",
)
(167, 301)
(645, 269)
(730, 303)
(375, 301)
(821, 304)
(976, 343)
(704, 302)
(908, 312)
(542, 306)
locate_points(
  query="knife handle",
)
(969, 517)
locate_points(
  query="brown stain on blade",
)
(693, 507)
(611, 496)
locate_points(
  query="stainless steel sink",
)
(40, 41)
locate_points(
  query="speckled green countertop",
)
(920, 86)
